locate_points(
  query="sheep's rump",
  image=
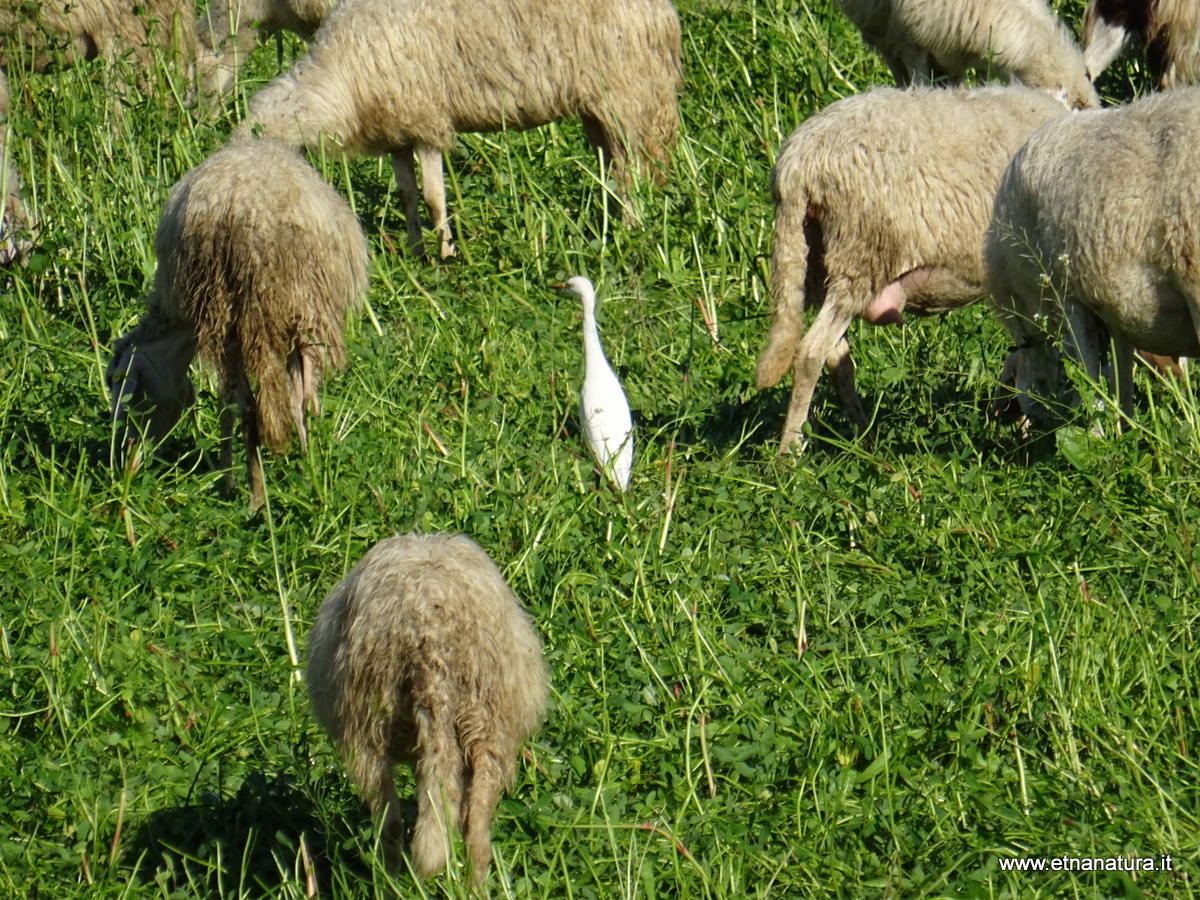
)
(257, 252)
(424, 622)
(900, 180)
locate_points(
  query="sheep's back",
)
(420, 71)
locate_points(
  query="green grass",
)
(1000, 638)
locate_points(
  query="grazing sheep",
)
(881, 201)
(91, 28)
(1096, 232)
(398, 76)
(258, 261)
(14, 217)
(231, 27)
(1169, 29)
(423, 656)
(922, 39)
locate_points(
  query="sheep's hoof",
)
(792, 445)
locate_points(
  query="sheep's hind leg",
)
(434, 187)
(819, 343)
(404, 167)
(439, 776)
(841, 370)
(487, 780)
(391, 820)
(302, 389)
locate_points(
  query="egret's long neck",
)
(591, 337)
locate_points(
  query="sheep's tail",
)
(789, 269)
(439, 776)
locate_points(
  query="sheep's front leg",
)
(404, 166)
(391, 820)
(1123, 362)
(613, 158)
(819, 343)
(227, 416)
(434, 185)
(1087, 340)
(1005, 404)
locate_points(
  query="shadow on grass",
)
(955, 419)
(247, 845)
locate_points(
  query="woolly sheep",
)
(921, 39)
(258, 261)
(881, 201)
(91, 28)
(1096, 231)
(423, 656)
(398, 76)
(1170, 30)
(231, 27)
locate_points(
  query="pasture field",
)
(1001, 650)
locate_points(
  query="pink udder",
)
(885, 309)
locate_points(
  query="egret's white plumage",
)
(603, 409)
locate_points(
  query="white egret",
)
(603, 409)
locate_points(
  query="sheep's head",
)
(148, 383)
(1043, 390)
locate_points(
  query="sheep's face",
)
(149, 386)
(1041, 383)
